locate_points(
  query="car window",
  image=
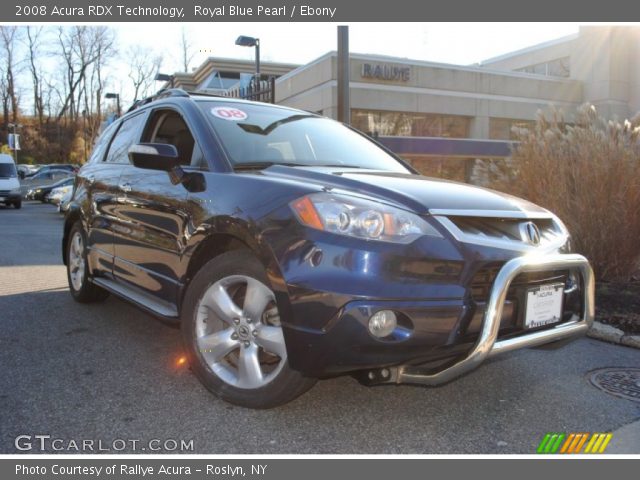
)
(97, 155)
(168, 126)
(7, 170)
(252, 133)
(127, 135)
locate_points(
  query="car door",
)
(155, 212)
(98, 187)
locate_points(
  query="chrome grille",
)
(505, 228)
(519, 232)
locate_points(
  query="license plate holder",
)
(543, 305)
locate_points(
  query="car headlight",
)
(360, 218)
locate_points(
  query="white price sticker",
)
(227, 113)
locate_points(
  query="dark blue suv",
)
(291, 247)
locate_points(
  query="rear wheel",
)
(233, 337)
(81, 288)
(18, 204)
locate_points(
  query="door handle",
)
(125, 187)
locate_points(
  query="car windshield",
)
(259, 135)
(7, 170)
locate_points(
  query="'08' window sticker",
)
(229, 113)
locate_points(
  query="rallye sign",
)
(386, 72)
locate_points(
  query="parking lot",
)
(109, 371)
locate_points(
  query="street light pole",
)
(258, 58)
(163, 77)
(344, 101)
(244, 41)
(117, 97)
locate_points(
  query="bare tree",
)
(104, 43)
(34, 37)
(81, 47)
(186, 49)
(9, 36)
(143, 67)
(6, 100)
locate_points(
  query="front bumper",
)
(10, 197)
(450, 333)
(487, 344)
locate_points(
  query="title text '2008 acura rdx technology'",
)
(291, 247)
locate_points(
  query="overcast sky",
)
(458, 43)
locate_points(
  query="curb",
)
(610, 334)
(626, 440)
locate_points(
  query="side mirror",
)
(154, 156)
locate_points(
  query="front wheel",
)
(233, 337)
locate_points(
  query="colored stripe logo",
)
(574, 443)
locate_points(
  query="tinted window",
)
(255, 133)
(100, 147)
(7, 170)
(128, 134)
(168, 126)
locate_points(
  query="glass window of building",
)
(403, 124)
(503, 128)
(560, 67)
(449, 168)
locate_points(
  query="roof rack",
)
(164, 93)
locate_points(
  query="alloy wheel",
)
(76, 261)
(238, 332)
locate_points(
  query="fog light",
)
(382, 323)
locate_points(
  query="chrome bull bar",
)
(487, 344)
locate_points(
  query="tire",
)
(81, 288)
(238, 353)
(18, 205)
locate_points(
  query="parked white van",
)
(9, 183)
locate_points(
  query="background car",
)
(54, 166)
(56, 193)
(10, 193)
(25, 170)
(63, 205)
(43, 179)
(40, 192)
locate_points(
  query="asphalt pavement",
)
(108, 371)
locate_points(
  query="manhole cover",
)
(621, 382)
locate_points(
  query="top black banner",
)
(81, 11)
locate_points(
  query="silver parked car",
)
(43, 179)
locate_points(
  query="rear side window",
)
(128, 134)
(99, 149)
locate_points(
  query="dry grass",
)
(588, 173)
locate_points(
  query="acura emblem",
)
(530, 233)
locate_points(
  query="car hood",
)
(415, 192)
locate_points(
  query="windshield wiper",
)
(263, 165)
(250, 128)
(333, 165)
